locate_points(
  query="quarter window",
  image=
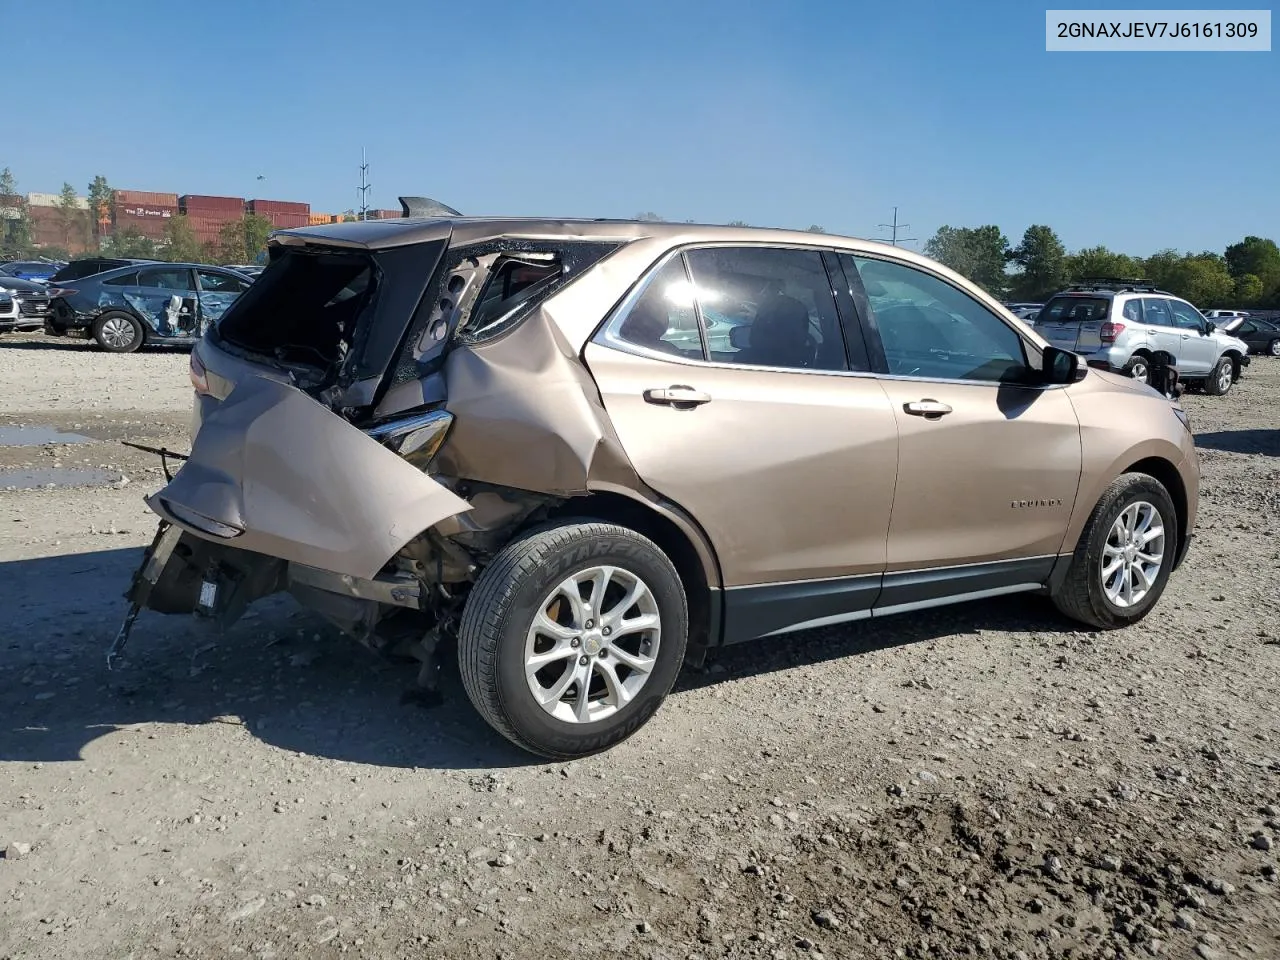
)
(124, 280)
(931, 329)
(1133, 310)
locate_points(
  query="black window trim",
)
(1031, 351)
(607, 334)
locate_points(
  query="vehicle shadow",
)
(75, 343)
(1265, 442)
(296, 683)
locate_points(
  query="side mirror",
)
(1060, 366)
(1209, 327)
(740, 337)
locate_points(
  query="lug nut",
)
(590, 624)
(604, 653)
(575, 643)
(582, 661)
(607, 630)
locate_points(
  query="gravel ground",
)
(984, 781)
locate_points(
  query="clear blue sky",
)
(776, 113)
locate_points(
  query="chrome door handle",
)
(1186, 336)
(677, 395)
(929, 409)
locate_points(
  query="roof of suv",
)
(382, 234)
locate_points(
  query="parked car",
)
(1025, 311)
(89, 266)
(24, 304)
(1119, 324)
(1261, 336)
(40, 270)
(497, 431)
(124, 308)
(1222, 316)
(250, 270)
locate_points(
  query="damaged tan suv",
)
(589, 451)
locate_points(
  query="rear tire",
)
(1220, 380)
(1273, 348)
(118, 332)
(1093, 591)
(1139, 368)
(524, 586)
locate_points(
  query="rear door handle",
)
(1186, 336)
(677, 395)
(929, 409)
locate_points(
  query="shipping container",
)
(265, 207)
(386, 214)
(317, 219)
(141, 211)
(192, 202)
(147, 197)
(54, 200)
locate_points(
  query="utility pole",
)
(895, 227)
(365, 186)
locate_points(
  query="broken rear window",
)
(304, 308)
(514, 282)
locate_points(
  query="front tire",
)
(1125, 555)
(1221, 378)
(118, 332)
(572, 637)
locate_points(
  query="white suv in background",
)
(1120, 324)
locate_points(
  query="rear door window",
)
(767, 306)
(1156, 311)
(663, 319)
(178, 280)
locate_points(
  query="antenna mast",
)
(365, 186)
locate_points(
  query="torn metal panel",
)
(275, 472)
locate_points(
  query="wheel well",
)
(1171, 480)
(616, 508)
(1235, 363)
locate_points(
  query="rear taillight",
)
(1110, 331)
(199, 377)
(61, 292)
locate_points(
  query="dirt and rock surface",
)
(985, 781)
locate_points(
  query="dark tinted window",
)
(303, 309)
(174, 278)
(931, 329)
(1074, 310)
(124, 280)
(213, 282)
(767, 307)
(663, 319)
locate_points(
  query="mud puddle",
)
(50, 477)
(37, 436)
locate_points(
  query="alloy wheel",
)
(593, 644)
(1224, 378)
(118, 332)
(1274, 348)
(1133, 554)
(1138, 370)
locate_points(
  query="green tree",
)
(1256, 257)
(1249, 290)
(1097, 262)
(15, 227)
(649, 217)
(129, 242)
(1202, 278)
(241, 241)
(979, 253)
(101, 197)
(731, 223)
(76, 231)
(814, 228)
(181, 245)
(1043, 260)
